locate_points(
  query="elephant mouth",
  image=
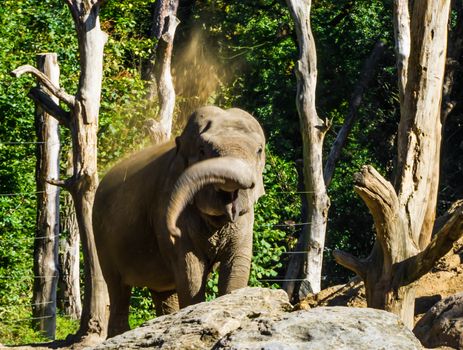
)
(227, 175)
(231, 206)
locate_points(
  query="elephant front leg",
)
(165, 302)
(234, 274)
(119, 297)
(191, 277)
(235, 259)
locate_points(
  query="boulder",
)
(442, 325)
(259, 318)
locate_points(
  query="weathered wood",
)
(47, 230)
(404, 215)
(313, 130)
(69, 256)
(84, 125)
(165, 31)
(50, 85)
(401, 18)
(419, 136)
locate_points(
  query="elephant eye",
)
(202, 153)
(259, 151)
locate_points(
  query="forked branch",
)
(351, 262)
(44, 100)
(69, 100)
(366, 75)
(67, 184)
(413, 268)
(382, 201)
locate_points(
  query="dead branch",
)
(66, 184)
(351, 262)
(356, 99)
(413, 268)
(47, 103)
(69, 100)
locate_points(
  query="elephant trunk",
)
(227, 173)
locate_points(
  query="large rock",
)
(442, 325)
(258, 318)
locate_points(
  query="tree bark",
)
(401, 18)
(83, 183)
(313, 130)
(69, 257)
(420, 126)
(404, 216)
(165, 24)
(46, 241)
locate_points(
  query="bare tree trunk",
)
(46, 240)
(404, 216)
(82, 120)
(69, 257)
(165, 24)
(316, 179)
(83, 183)
(313, 131)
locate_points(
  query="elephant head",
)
(222, 152)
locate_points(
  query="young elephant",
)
(166, 215)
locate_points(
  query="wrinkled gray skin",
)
(165, 216)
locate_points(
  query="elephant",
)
(167, 215)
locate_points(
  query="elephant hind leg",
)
(165, 302)
(119, 298)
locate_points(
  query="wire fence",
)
(3, 309)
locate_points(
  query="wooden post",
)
(47, 231)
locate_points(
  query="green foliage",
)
(275, 214)
(254, 47)
(141, 307)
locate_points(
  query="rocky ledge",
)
(258, 318)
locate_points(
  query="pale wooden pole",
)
(313, 131)
(46, 241)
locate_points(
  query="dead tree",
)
(47, 228)
(404, 214)
(316, 176)
(82, 121)
(313, 131)
(165, 22)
